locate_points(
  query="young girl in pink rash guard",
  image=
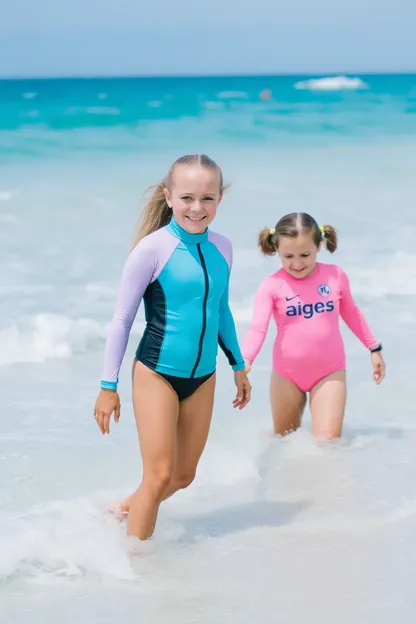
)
(307, 299)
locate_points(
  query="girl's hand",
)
(108, 401)
(243, 395)
(379, 368)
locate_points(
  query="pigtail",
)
(267, 242)
(330, 238)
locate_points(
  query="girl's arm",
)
(256, 334)
(227, 335)
(352, 315)
(137, 274)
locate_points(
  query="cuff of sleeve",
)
(377, 347)
(109, 385)
(239, 366)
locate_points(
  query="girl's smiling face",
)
(194, 196)
(298, 254)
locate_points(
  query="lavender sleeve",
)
(143, 266)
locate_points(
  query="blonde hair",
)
(292, 225)
(157, 212)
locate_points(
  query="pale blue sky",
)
(113, 37)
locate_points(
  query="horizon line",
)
(103, 76)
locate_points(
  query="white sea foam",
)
(52, 336)
(333, 83)
(55, 538)
(48, 336)
(263, 513)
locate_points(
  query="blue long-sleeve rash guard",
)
(184, 280)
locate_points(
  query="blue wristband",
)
(109, 385)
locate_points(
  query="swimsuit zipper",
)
(204, 310)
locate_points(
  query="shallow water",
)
(308, 530)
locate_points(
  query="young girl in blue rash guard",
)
(181, 269)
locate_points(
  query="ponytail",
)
(156, 214)
(267, 242)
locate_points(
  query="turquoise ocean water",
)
(271, 528)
